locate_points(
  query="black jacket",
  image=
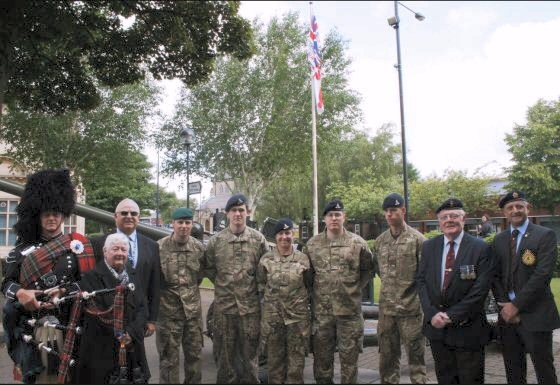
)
(465, 296)
(533, 268)
(98, 350)
(147, 274)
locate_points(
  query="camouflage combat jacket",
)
(284, 280)
(231, 263)
(341, 268)
(398, 262)
(182, 269)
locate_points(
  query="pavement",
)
(368, 362)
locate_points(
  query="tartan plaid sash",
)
(69, 339)
(42, 260)
(117, 321)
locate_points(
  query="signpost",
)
(194, 188)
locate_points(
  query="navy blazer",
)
(533, 268)
(146, 275)
(465, 296)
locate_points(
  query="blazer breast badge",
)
(528, 258)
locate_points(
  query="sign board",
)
(195, 188)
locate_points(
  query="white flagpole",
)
(314, 145)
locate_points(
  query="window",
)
(8, 218)
(70, 224)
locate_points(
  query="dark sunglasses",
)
(132, 213)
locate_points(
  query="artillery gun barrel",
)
(89, 212)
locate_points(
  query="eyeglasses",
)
(446, 217)
(132, 213)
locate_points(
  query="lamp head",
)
(419, 16)
(393, 21)
(187, 135)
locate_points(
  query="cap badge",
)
(286, 227)
(337, 206)
(239, 201)
(397, 202)
(515, 194)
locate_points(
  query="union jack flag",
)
(315, 61)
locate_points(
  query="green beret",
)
(182, 213)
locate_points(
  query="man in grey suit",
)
(143, 261)
(453, 280)
(526, 255)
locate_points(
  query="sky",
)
(470, 71)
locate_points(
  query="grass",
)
(206, 284)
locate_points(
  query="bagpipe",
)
(55, 342)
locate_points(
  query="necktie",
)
(512, 254)
(130, 246)
(449, 261)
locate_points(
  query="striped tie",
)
(449, 261)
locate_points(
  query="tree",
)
(426, 195)
(535, 149)
(363, 171)
(55, 55)
(88, 143)
(253, 118)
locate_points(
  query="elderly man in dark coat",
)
(113, 320)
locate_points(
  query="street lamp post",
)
(187, 134)
(394, 22)
(157, 191)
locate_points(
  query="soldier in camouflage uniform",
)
(342, 265)
(180, 310)
(231, 258)
(284, 278)
(400, 314)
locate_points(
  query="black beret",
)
(450, 204)
(513, 195)
(334, 205)
(236, 200)
(283, 224)
(393, 200)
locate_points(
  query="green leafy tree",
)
(54, 54)
(368, 170)
(535, 150)
(427, 194)
(253, 118)
(94, 143)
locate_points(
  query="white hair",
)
(115, 238)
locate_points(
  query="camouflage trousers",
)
(392, 331)
(171, 335)
(343, 332)
(286, 347)
(235, 344)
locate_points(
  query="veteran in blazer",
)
(525, 255)
(143, 262)
(453, 280)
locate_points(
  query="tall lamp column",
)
(394, 22)
(187, 134)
